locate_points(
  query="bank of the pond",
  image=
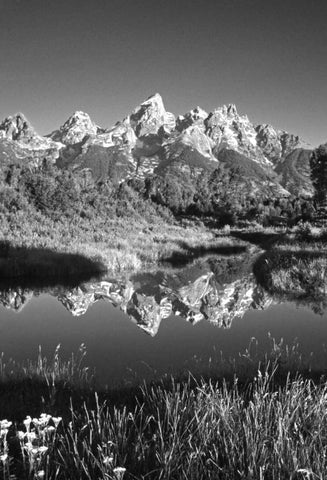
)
(295, 268)
(117, 245)
(273, 425)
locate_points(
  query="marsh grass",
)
(119, 244)
(44, 383)
(295, 268)
(271, 426)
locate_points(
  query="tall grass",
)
(295, 268)
(119, 244)
(209, 431)
(270, 427)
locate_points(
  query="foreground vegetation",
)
(271, 425)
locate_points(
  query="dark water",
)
(156, 323)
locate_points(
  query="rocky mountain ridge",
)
(151, 140)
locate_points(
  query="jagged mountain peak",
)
(17, 127)
(78, 116)
(76, 127)
(290, 141)
(268, 140)
(21, 141)
(277, 144)
(266, 127)
(228, 110)
(196, 116)
(19, 117)
(154, 98)
(153, 104)
(228, 129)
(150, 116)
(151, 140)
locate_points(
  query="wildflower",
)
(3, 457)
(28, 446)
(31, 436)
(40, 474)
(44, 419)
(4, 424)
(27, 422)
(21, 435)
(56, 421)
(108, 460)
(119, 472)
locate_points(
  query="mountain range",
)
(151, 141)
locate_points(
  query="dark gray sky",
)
(106, 56)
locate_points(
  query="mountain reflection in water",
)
(216, 290)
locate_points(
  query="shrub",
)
(303, 231)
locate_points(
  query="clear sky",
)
(106, 56)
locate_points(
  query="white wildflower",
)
(27, 421)
(21, 435)
(31, 436)
(28, 446)
(50, 429)
(44, 419)
(4, 424)
(56, 421)
(119, 472)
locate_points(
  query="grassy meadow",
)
(117, 244)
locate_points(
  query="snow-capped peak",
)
(16, 127)
(75, 129)
(150, 116)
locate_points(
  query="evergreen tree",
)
(318, 165)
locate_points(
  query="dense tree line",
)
(56, 192)
(318, 165)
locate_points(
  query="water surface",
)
(156, 322)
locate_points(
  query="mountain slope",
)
(248, 177)
(294, 172)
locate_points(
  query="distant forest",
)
(54, 193)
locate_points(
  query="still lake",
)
(153, 323)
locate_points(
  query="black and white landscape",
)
(163, 261)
